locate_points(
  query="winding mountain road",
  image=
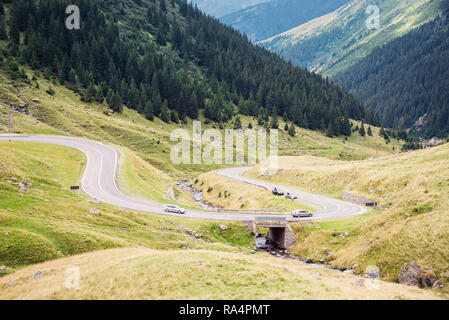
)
(99, 182)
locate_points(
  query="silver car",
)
(301, 214)
(291, 196)
(174, 208)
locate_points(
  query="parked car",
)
(301, 214)
(174, 208)
(290, 196)
(278, 192)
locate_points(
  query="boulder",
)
(358, 283)
(3, 268)
(95, 211)
(445, 275)
(438, 284)
(372, 272)
(413, 274)
(223, 227)
(10, 283)
(24, 183)
(37, 275)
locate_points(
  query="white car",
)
(291, 196)
(301, 214)
(174, 208)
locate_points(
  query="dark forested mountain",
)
(167, 59)
(407, 80)
(268, 19)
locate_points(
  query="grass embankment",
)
(194, 274)
(232, 194)
(48, 221)
(412, 187)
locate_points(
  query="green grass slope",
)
(48, 221)
(194, 274)
(412, 188)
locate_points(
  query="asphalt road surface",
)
(99, 182)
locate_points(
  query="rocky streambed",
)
(197, 195)
(265, 244)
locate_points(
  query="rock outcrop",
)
(413, 274)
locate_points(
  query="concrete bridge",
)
(279, 231)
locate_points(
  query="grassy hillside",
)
(197, 274)
(413, 189)
(231, 194)
(334, 42)
(146, 145)
(47, 221)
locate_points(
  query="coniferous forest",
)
(167, 59)
(406, 81)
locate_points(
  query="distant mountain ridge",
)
(220, 8)
(270, 18)
(334, 42)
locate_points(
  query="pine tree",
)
(330, 130)
(192, 110)
(3, 34)
(148, 111)
(237, 123)
(116, 103)
(370, 133)
(157, 104)
(274, 124)
(346, 126)
(362, 131)
(292, 130)
(174, 116)
(165, 113)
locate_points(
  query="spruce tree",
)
(237, 123)
(362, 131)
(274, 124)
(292, 130)
(330, 130)
(174, 116)
(3, 34)
(165, 113)
(148, 110)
